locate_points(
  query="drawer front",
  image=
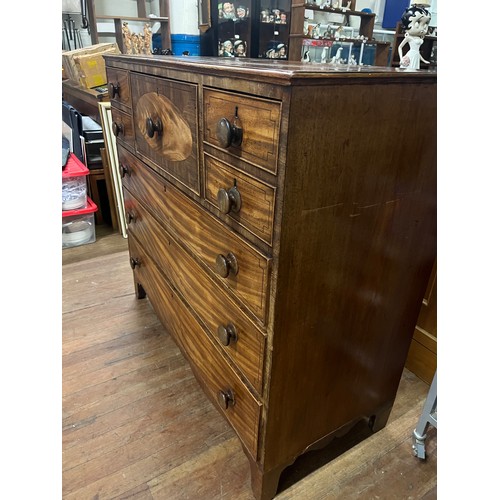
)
(212, 371)
(166, 126)
(258, 119)
(123, 127)
(118, 87)
(205, 236)
(213, 307)
(240, 197)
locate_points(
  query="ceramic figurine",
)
(352, 61)
(415, 22)
(227, 49)
(324, 54)
(148, 38)
(305, 57)
(281, 51)
(227, 10)
(338, 57)
(240, 48)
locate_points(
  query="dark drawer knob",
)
(229, 200)
(115, 89)
(225, 265)
(226, 398)
(124, 170)
(130, 217)
(227, 334)
(134, 262)
(153, 126)
(229, 134)
(117, 129)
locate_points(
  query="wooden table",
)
(86, 101)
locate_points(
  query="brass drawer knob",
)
(229, 200)
(134, 262)
(226, 398)
(229, 134)
(227, 334)
(117, 129)
(153, 126)
(124, 170)
(225, 265)
(115, 90)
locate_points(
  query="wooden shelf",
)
(163, 19)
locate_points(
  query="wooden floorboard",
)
(136, 424)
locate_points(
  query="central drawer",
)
(235, 333)
(166, 126)
(236, 265)
(218, 379)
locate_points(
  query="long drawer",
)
(236, 265)
(219, 380)
(237, 335)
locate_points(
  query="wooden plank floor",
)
(136, 425)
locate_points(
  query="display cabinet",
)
(320, 28)
(248, 28)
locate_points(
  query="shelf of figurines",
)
(342, 52)
(326, 6)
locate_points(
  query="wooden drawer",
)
(208, 238)
(118, 87)
(259, 120)
(249, 201)
(212, 306)
(166, 126)
(212, 371)
(123, 127)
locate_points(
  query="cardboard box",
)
(93, 69)
(71, 68)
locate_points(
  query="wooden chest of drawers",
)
(282, 223)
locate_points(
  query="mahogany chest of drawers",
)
(282, 223)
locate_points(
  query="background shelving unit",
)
(142, 17)
(299, 40)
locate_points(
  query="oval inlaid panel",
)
(175, 141)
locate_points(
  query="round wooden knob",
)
(226, 398)
(227, 334)
(115, 89)
(117, 129)
(225, 265)
(130, 217)
(124, 170)
(153, 126)
(229, 134)
(134, 262)
(229, 200)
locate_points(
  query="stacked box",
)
(78, 226)
(72, 67)
(74, 184)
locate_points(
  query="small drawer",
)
(247, 127)
(118, 87)
(236, 334)
(123, 127)
(238, 267)
(218, 379)
(166, 126)
(242, 198)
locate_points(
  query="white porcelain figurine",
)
(415, 21)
